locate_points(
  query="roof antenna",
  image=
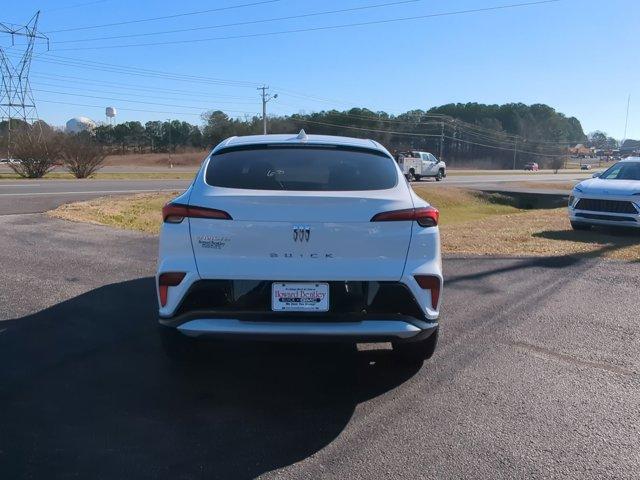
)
(302, 135)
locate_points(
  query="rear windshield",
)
(306, 168)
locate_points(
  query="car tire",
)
(418, 178)
(418, 351)
(439, 175)
(176, 346)
(580, 226)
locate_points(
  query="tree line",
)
(463, 134)
(470, 134)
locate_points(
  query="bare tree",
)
(36, 150)
(557, 163)
(82, 155)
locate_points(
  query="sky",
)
(578, 56)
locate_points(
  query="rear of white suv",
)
(300, 237)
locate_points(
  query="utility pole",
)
(16, 98)
(515, 152)
(441, 139)
(265, 98)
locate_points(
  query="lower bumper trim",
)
(606, 218)
(368, 329)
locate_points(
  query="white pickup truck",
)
(416, 165)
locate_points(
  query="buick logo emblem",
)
(301, 233)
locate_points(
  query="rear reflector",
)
(431, 283)
(166, 280)
(175, 213)
(425, 216)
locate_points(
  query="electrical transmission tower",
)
(16, 98)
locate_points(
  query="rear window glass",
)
(302, 168)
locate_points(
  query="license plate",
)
(300, 297)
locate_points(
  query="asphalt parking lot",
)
(537, 376)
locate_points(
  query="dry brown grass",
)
(471, 224)
(156, 159)
(136, 212)
(168, 175)
(458, 205)
(537, 233)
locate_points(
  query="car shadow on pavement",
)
(512, 264)
(610, 239)
(86, 391)
(622, 237)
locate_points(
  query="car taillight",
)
(431, 283)
(166, 280)
(175, 213)
(425, 216)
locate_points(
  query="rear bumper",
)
(359, 311)
(370, 330)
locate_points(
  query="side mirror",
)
(596, 174)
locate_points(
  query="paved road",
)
(537, 376)
(32, 196)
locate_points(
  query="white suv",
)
(611, 198)
(298, 237)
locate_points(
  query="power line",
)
(139, 95)
(137, 92)
(143, 72)
(438, 117)
(165, 17)
(313, 97)
(315, 29)
(458, 124)
(77, 5)
(126, 100)
(143, 111)
(301, 120)
(237, 24)
(505, 148)
(68, 79)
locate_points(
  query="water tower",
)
(111, 113)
